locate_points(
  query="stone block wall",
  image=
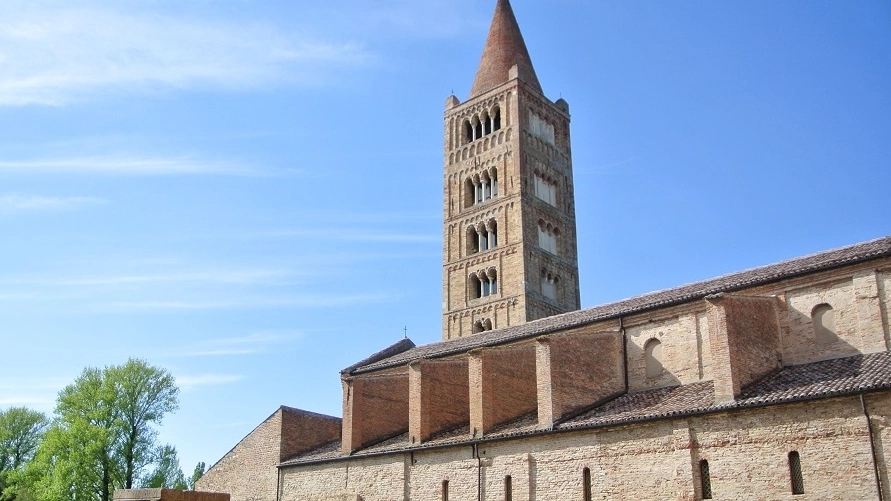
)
(686, 353)
(248, 471)
(747, 452)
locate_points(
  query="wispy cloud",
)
(192, 382)
(352, 235)
(244, 345)
(36, 393)
(53, 54)
(11, 204)
(245, 276)
(275, 302)
(130, 165)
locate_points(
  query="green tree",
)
(144, 395)
(103, 434)
(21, 430)
(167, 472)
(196, 474)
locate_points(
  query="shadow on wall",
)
(823, 341)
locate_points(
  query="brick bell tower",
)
(509, 251)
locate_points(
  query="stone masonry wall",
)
(747, 451)
(686, 355)
(248, 471)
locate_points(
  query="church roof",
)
(504, 48)
(825, 379)
(728, 283)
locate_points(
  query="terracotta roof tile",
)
(698, 290)
(825, 379)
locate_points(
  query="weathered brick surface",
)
(747, 453)
(502, 385)
(248, 471)
(745, 341)
(375, 407)
(439, 397)
(686, 354)
(575, 371)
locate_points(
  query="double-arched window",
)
(547, 236)
(483, 283)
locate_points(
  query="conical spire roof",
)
(504, 48)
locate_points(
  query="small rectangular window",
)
(445, 490)
(508, 489)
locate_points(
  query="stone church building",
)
(772, 383)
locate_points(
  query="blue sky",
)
(248, 194)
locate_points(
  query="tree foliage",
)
(197, 473)
(21, 430)
(167, 472)
(103, 436)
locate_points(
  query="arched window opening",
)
(468, 131)
(705, 480)
(653, 350)
(477, 128)
(795, 475)
(445, 490)
(508, 489)
(473, 241)
(469, 193)
(823, 317)
(493, 234)
(549, 285)
(547, 237)
(482, 325)
(487, 124)
(496, 121)
(476, 287)
(480, 188)
(546, 190)
(586, 484)
(483, 284)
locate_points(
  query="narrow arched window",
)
(445, 490)
(653, 350)
(497, 120)
(705, 480)
(468, 131)
(508, 489)
(476, 287)
(795, 475)
(586, 484)
(477, 128)
(823, 317)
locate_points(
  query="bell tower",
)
(509, 251)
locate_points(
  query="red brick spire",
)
(504, 48)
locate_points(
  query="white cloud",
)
(36, 203)
(128, 165)
(302, 301)
(187, 383)
(243, 345)
(56, 54)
